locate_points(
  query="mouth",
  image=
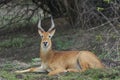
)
(45, 46)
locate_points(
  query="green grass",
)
(7, 72)
(5, 75)
(14, 42)
(93, 74)
(12, 76)
(62, 44)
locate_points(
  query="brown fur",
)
(67, 61)
(56, 62)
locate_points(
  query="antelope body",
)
(55, 62)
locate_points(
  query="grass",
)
(93, 74)
(62, 44)
(15, 42)
(11, 76)
(7, 73)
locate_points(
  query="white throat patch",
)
(45, 49)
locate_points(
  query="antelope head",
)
(46, 36)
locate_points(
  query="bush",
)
(15, 42)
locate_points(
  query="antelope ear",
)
(40, 32)
(52, 32)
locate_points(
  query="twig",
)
(109, 22)
(103, 24)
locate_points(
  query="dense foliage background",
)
(101, 15)
(81, 25)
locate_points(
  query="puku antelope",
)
(55, 62)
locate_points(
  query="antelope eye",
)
(49, 36)
(42, 36)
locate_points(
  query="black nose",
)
(45, 43)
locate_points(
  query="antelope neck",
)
(46, 54)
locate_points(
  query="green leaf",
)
(107, 1)
(100, 9)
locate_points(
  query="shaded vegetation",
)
(81, 25)
(16, 42)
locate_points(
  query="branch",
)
(103, 24)
(110, 22)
